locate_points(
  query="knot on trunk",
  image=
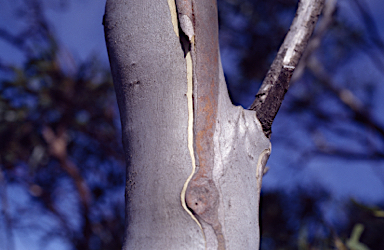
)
(202, 197)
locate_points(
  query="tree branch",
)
(271, 94)
(346, 97)
(326, 22)
(10, 245)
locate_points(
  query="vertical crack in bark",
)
(202, 195)
(188, 61)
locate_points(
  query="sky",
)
(80, 31)
(79, 28)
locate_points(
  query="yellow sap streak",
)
(172, 9)
(188, 58)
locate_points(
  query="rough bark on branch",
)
(271, 93)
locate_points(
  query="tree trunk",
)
(155, 83)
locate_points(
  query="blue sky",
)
(79, 28)
(80, 31)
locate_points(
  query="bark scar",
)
(199, 21)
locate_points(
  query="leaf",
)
(353, 243)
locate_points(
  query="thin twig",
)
(346, 97)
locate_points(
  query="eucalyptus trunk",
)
(179, 194)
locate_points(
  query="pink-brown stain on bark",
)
(202, 196)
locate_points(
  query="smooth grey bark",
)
(148, 69)
(149, 72)
(150, 76)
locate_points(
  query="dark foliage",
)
(60, 146)
(62, 169)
